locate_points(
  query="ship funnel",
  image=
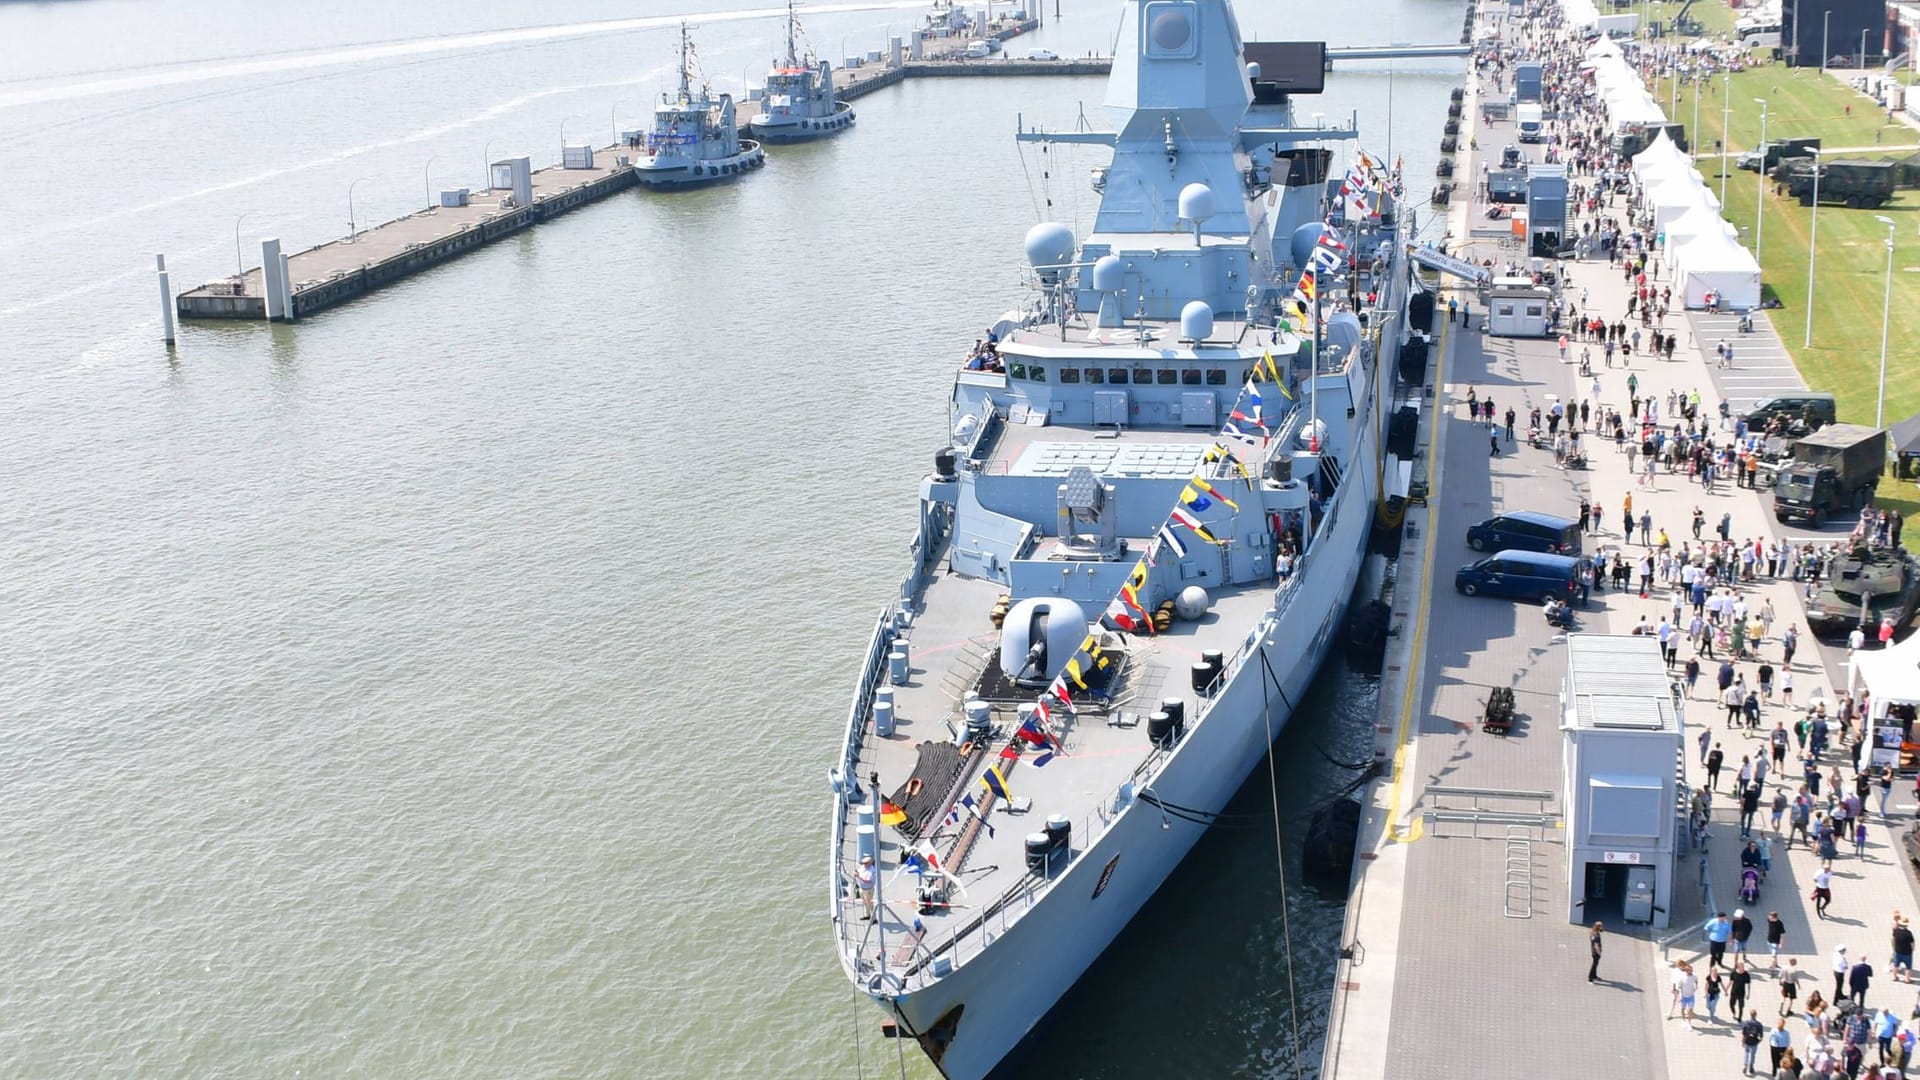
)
(1109, 274)
(1196, 205)
(1049, 245)
(1196, 321)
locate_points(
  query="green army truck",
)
(1853, 182)
(1834, 469)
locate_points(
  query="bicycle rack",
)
(1519, 898)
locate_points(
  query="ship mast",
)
(793, 55)
(686, 67)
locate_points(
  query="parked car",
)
(1043, 54)
(1522, 575)
(1526, 530)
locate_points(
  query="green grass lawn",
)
(1844, 357)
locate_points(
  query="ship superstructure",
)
(695, 139)
(1136, 549)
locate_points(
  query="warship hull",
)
(1046, 948)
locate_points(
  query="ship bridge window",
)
(1016, 370)
(1117, 377)
(1216, 376)
(1069, 374)
(1167, 377)
(1095, 375)
(1037, 373)
(1143, 376)
(1190, 377)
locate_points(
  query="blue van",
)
(1526, 530)
(1525, 575)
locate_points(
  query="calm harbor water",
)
(445, 686)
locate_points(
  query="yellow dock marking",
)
(1415, 665)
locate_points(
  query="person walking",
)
(1902, 949)
(1742, 931)
(1738, 984)
(1715, 984)
(1714, 761)
(1594, 948)
(1719, 931)
(1789, 987)
(1751, 1032)
(1776, 934)
(1886, 787)
(1779, 1042)
(1841, 965)
(1858, 978)
(1686, 988)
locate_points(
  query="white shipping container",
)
(576, 157)
(453, 197)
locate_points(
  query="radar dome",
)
(1304, 239)
(1107, 273)
(1253, 72)
(1049, 244)
(1196, 320)
(1342, 334)
(1196, 203)
(1192, 603)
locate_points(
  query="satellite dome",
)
(1196, 203)
(1196, 320)
(1192, 603)
(1342, 333)
(1253, 72)
(1107, 273)
(1049, 244)
(1305, 238)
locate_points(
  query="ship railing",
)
(871, 671)
(1000, 916)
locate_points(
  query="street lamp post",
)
(1813, 246)
(1863, 48)
(1760, 207)
(563, 133)
(486, 153)
(613, 118)
(353, 229)
(427, 174)
(1726, 122)
(1826, 27)
(1886, 310)
(239, 261)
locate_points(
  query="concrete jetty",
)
(1441, 973)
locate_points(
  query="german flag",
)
(891, 814)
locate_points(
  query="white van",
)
(978, 50)
(1528, 119)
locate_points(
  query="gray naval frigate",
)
(1136, 549)
(695, 139)
(798, 103)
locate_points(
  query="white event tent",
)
(1718, 265)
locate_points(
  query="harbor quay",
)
(1467, 933)
(337, 271)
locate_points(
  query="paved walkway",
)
(1433, 904)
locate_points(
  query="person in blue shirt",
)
(1719, 932)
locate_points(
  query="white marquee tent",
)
(1718, 265)
(1891, 674)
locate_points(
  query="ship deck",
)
(1103, 745)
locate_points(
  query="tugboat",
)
(1868, 583)
(799, 103)
(694, 138)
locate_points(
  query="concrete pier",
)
(337, 271)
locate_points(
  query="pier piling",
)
(166, 299)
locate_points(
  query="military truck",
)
(1834, 469)
(1633, 138)
(1527, 80)
(1853, 182)
(1765, 159)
